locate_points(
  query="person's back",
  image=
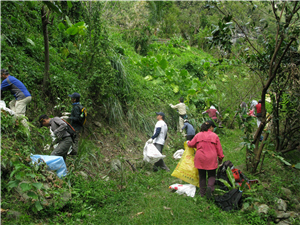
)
(212, 113)
(75, 117)
(16, 87)
(163, 133)
(258, 108)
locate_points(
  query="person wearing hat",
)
(190, 131)
(76, 120)
(181, 107)
(158, 139)
(207, 157)
(20, 92)
(212, 113)
(63, 138)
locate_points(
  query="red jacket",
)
(209, 149)
(258, 108)
(212, 113)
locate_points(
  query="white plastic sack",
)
(3, 106)
(55, 163)
(187, 189)
(151, 153)
(178, 154)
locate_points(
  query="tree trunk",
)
(45, 22)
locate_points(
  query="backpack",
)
(232, 200)
(240, 177)
(70, 130)
(83, 114)
(221, 174)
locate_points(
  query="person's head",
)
(212, 107)
(208, 125)
(44, 121)
(75, 97)
(4, 74)
(259, 101)
(160, 116)
(181, 99)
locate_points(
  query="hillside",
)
(124, 75)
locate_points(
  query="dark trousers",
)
(75, 143)
(63, 147)
(161, 162)
(202, 180)
(189, 137)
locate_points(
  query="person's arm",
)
(61, 127)
(219, 151)
(76, 117)
(204, 112)
(157, 132)
(183, 127)
(218, 112)
(4, 85)
(174, 106)
(193, 142)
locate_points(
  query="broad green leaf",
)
(32, 195)
(14, 183)
(163, 64)
(31, 175)
(61, 26)
(184, 73)
(38, 206)
(25, 187)
(149, 77)
(297, 166)
(192, 92)
(38, 185)
(72, 30)
(79, 24)
(176, 89)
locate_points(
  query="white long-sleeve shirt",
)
(181, 108)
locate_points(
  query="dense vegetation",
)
(129, 60)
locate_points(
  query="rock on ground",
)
(284, 222)
(263, 209)
(281, 205)
(283, 215)
(286, 192)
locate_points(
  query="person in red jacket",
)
(212, 113)
(209, 153)
(258, 113)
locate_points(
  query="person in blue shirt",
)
(18, 89)
(190, 131)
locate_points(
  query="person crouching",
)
(63, 138)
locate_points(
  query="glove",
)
(66, 114)
(187, 142)
(171, 105)
(150, 141)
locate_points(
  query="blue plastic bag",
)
(56, 163)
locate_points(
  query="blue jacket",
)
(189, 129)
(16, 87)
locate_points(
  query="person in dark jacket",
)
(76, 120)
(190, 131)
(63, 138)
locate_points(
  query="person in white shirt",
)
(158, 139)
(181, 107)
